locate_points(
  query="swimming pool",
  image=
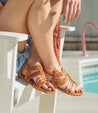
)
(90, 77)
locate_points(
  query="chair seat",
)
(13, 36)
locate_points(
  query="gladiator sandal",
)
(34, 71)
(70, 89)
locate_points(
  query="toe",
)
(50, 86)
(78, 89)
(81, 90)
(46, 87)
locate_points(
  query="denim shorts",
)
(21, 57)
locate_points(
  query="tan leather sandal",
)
(37, 70)
(71, 90)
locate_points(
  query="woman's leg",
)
(40, 26)
(13, 18)
(41, 23)
(56, 6)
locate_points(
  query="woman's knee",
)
(40, 3)
(12, 25)
(15, 20)
(40, 12)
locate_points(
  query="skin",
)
(70, 10)
(29, 13)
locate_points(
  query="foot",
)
(66, 85)
(37, 78)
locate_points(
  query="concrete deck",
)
(88, 103)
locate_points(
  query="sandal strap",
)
(72, 82)
(71, 79)
(38, 70)
(67, 77)
(29, 68)
(40, 83)
(70, 88)
(30, 76)
(62, 81)
(55, 73)
(74, 86)
(33, 67)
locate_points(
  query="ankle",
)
(33, 61)
(51, 68)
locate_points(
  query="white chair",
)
(14, 92)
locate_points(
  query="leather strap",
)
(57, 82)
(62, 81)
(29, 69)
(70, 88)
(41, 82)
(30, 76)
(38, 71)
(62, 73)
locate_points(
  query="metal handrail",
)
(83, 35)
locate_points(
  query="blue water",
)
(90, 78)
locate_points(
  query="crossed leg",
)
(56, 6)
(18, 13)
(13, 18)
(40, 24)
(42, 35)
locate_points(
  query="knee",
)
(11, 26)
(40, 3)
(29, 2)
(5, 24)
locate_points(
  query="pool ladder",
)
(83, 35)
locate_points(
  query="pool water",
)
(90, 78)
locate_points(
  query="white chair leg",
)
(48, 103)
(7, 75)
(8, 56)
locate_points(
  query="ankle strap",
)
(56, 73)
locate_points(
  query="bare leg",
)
(42, 33)
(13, 18)
(17, 10)
(56, 6)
